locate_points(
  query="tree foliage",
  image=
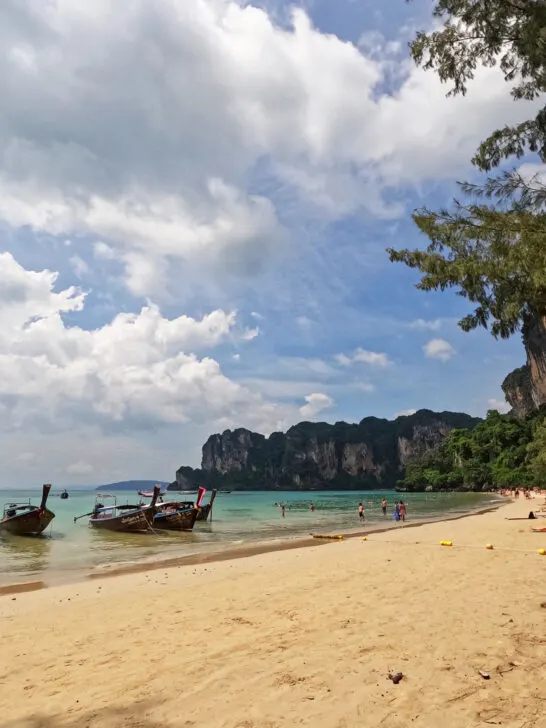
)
(501, 451)
(495, 258)
(508, 33)
(493, 251)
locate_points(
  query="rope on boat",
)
(152, 529)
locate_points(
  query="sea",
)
(71, 549)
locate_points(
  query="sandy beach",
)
(303, 637)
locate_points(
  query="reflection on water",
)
(237, 518)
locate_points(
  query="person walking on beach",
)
(402, 510)
(283, 508)
(361, 511)
(396, 513)
(384, 506)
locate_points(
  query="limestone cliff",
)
(372, 453)
(525, 388)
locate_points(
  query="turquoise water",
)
(238, 519)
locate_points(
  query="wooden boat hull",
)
(30, 523)
(133, 522)
(205, 511)
(176, 520)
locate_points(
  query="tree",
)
(536, 451)
(500, 451)
(494, 258)
(492, 254)
(508, 33)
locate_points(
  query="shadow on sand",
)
(132, 716)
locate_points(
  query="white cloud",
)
(405, 413)
(79, 266)
(26, 457)
(316, 402)
(498, 404)
(250, 334)
(102, 251)
(139, 368)
(366, 387)
(362, 356)
(439, 349)
(529, 171)
(79, 468)
(424, 325)
(149, 146)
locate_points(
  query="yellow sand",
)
(296, 638)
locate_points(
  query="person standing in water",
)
(361, 511)
(283, 508)
(402, 510)
(311, 507)
(384, 506)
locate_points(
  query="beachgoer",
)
(402, 510)
(311, 507)
(396, 513)
(283, 507)
(361, 511)
(384, 506)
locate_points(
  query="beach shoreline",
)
(252, 548)
(302, 637)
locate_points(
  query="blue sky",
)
(193, 221)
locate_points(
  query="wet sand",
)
(301, 637)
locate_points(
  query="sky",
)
(195, 203)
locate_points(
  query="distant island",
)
(371, 454)
(132, 485)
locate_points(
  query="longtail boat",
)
(206, 510)
(24, 519)
(178, 516)
(122, 518)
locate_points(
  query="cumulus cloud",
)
(498, 404)
(405, 413)
(424, 325)
(316, 402)
(139, 368)
(439, 349)
(144, 124)
(362, 356)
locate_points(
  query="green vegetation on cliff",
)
(501, 451)
(311, 455)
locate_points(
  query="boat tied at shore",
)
(122, 518)
(175, 516)
(24, 519)
(206, 510)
